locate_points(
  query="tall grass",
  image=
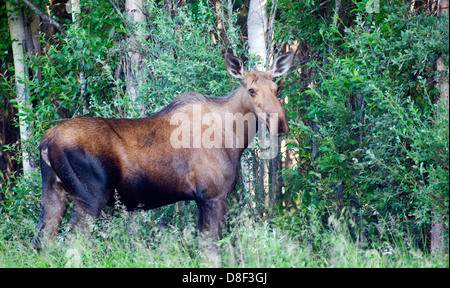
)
(140, 241)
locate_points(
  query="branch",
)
(45, 16)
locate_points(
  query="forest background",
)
(362, 179)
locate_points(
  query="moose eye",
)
(251, 91)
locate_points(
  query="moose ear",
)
(282, 64)
(234, 66)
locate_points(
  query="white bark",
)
(443, 82)
(337, 7)
(257, 27)
(437, 218)
(257, 22)
(442, 6)
(17, 32)
(135, 15)
(75, 9)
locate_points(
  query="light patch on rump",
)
(44, 156)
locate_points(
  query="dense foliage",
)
(367, 133)
(382, 153)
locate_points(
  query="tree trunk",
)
(218, 14)
(337, 8)
(442, 7)
(257, 27)
(75, 9)
(135, 15)
(437, 217)
(259, 38)
(256, 30)
(17, 31)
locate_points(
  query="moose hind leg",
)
(54, 205)
(82, 212)
(87, 179)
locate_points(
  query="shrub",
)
(368, 125)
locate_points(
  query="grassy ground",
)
(139, 241)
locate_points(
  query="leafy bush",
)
(369, 125)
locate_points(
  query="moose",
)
(87, 160)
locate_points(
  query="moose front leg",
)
(211, 214)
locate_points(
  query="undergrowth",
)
(142, 239)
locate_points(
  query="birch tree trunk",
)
(437, 218)
(75, 10)
(135, 15)
(337, 8)
(257, 23)
(257, 27)
(17, 32)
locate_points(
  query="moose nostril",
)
(283, 127)
(279, 90)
